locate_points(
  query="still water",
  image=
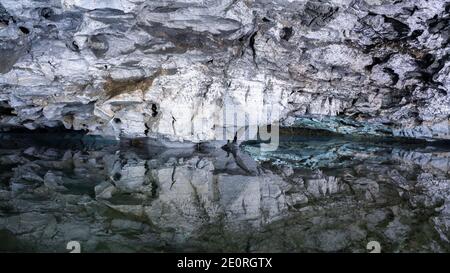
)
(313, 194)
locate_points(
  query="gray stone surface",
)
(140, 68)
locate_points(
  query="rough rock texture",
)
(140, 68)
(314, 195)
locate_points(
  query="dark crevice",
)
(426, 61)
(6, 110)
(252, 45)
(173, 125)
(147, 129)
(438, 24)
(423, 76)
(415, 34)
(410, 10)
(42, 130)
(24, 30)
(73, 46)
(377, 61)
(117, 176)
(5, 17)
(429, 68)
(286, 33)
(394, 76)
(154, 110)
(436, 66)
(401, 28)
(47, 13)
(317, 14)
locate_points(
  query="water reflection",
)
(309, 195)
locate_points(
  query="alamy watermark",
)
(74, 247)
(374, 247)
(234, 122)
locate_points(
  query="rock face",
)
(138, 68)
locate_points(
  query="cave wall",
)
(137, 68)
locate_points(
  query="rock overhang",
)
(149, 69)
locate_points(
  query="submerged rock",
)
(175, 68)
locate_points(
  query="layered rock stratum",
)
(134, 68)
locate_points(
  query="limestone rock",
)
(147, 68)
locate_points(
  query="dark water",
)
(310, 195)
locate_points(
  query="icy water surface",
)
(311, 195)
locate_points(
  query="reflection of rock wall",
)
(126, 193)
(132, 199)
(190, 194)
(418, 176)
(437, 161)
(322, 186)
